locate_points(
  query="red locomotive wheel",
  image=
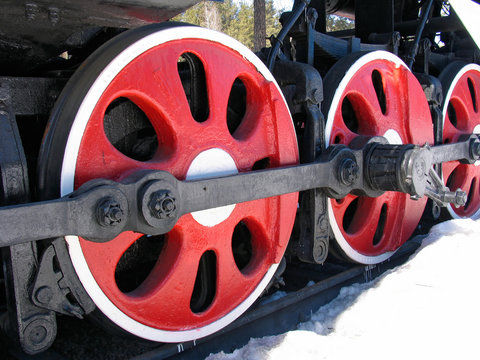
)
(198, 104)
(461, 116)
(367, 95)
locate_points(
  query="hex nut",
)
(109, 212)
(162, 204)
(348, 171)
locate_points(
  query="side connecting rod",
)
(151, 202)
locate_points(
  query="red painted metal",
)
(152, 82)
(408, 114)
(463, 176)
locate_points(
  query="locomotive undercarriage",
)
(370, 134)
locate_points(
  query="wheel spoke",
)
(475, 79)
(361, 88)
(470, 175)
(365, 220)
(341, 133)
(473, 196)
(170, 284)
(463, 111)
(255, 147)
(231, 283)
(396, 226)
(153, 83)
(108, 253)
(448, 167)
(462, 94)
(462, 177)
(261, 229)
(449, 131)
(98, 158)
(459, 178)
(256, 210)
(397, 101)
(220, 78)
(341, 205)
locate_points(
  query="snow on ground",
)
(427, 308)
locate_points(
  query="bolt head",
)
(44, 294)
(317, 96)
(168, 205)
(109, 212)
(460, 198)
(349, 171)
(116, 214)
(37, 335)
(476, 148)
(162, 204)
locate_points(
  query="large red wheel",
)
(461, 116)
(368, 95)
(198, 104)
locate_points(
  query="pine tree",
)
(236, 19)
(195, 15)
(335, 23)
(259, 26)
(212, 16)
(228, 14)
(244, 25)
(272, 18)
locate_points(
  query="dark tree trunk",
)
(259, 28)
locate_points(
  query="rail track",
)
(313, 286)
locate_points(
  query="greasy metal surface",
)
(30, 95)
(51, 21)
(32, 327)
(55, 287)
(35, 31)
(373, 16)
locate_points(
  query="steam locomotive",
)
(160, 176)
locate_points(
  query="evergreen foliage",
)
(336, 23)
(235, 18)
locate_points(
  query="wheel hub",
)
(393, 137)
(212, 163)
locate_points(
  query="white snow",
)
(427, 308)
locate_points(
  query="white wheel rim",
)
(68, 172)
(391, 136)
(458, 76)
